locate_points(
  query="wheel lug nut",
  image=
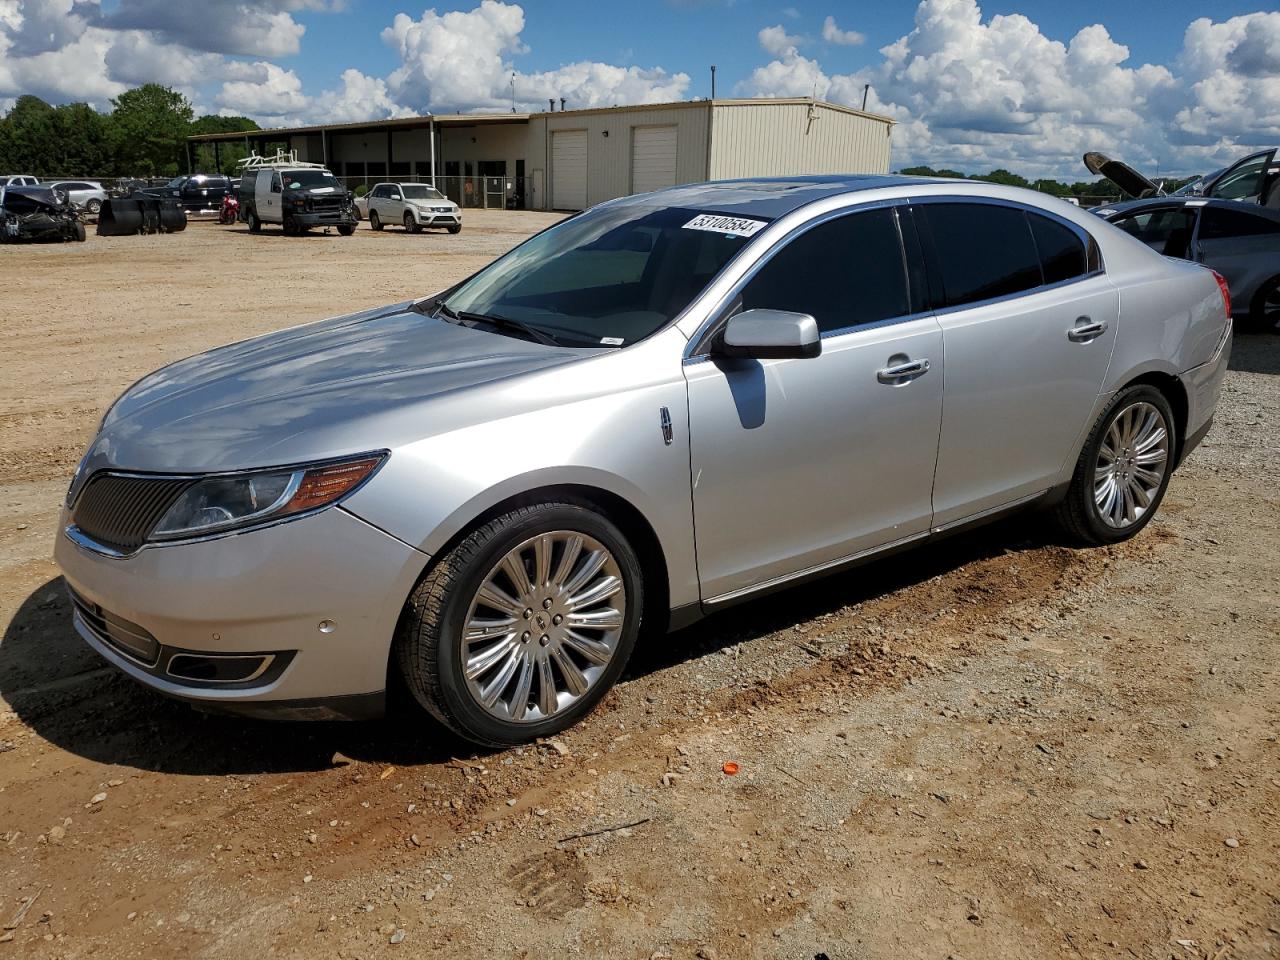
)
(544, 640)
(525, 636)
(546, 604)
(528, 614)
(557, 619)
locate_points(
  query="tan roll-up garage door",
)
(569, 169)
(653, 158)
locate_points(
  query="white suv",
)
(415, 205)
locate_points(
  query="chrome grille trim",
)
(119, 511)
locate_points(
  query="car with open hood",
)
(38, 214)
(655, 409)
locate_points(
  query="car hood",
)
(1121, 174)
(325, 389)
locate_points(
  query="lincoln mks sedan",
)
(652, 410)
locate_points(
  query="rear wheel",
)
(375, 221)
(1123, 471)
(93, 207)
(522, 628)
(1264, 312)
(255, 225)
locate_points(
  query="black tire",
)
(375, 221)
(78, 232)
(428, 636)
(411, 224)
(1264, 312)
(1078, 515)
(290, 228)
(456, 229)
(347, 229)
(93, 207)
(255, 225)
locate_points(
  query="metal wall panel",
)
(760, 139)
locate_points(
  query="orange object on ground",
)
(730, 767)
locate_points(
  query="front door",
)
(1028, 326)
(798, 464)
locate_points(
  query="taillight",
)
(1226, 291)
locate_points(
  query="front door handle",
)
(1086, 330)
(903, 371)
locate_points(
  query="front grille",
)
(120, 511)
(322, 204)
(128, 638)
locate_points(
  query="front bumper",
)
(324, 218)
(319, 596)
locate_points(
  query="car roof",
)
(1239, 206)
(772, 197)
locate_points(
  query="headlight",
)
(220, 503)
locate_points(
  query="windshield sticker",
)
(612, 341)
(732, 226)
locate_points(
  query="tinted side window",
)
(1218, 224)
(1062, 255)
(843, 273)
(1166, 231)
(984, 250)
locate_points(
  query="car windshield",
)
(610, 276)
(176, 182)
(420, 191)
(309, 180)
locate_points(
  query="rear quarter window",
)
(1062, 254)
(983, 250)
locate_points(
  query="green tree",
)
(25, 134)
(230, 150)
(149, 127)
(80, 143)
(1005, 177)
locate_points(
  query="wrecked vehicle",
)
(36, 214)
(1251, 179)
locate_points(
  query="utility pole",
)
(866, 87)
(713, 81)
(513, 91)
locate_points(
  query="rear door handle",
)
(1086, 330)
(897, 373)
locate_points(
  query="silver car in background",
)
(88, 195)
(646, 413)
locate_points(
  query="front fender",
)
(432, 489)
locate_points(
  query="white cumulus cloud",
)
(832, 33)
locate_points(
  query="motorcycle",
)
(230, 209)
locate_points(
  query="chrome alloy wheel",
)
(543, 626)
(1132, 463)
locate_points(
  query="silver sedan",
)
(656, 409)
(88, 195)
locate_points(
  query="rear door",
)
(1028, 323)
(1242, 245)
(267, 195)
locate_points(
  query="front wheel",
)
(1123, 470)
(375, 221)
(410, 224)
(457, 228)
(521, 629)
(347, 229)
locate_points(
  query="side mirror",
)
(769, 334)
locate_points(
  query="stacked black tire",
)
(124, 217)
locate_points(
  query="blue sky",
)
(691, 36)
(1026, 84)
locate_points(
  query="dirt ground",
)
(995, 747)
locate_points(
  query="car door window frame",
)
(699, 348)
(932, 261)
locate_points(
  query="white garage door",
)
(653, 158)
(569, 169)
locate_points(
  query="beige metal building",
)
(571, 159)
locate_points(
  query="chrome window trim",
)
(1083, 235)
(699, 344)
